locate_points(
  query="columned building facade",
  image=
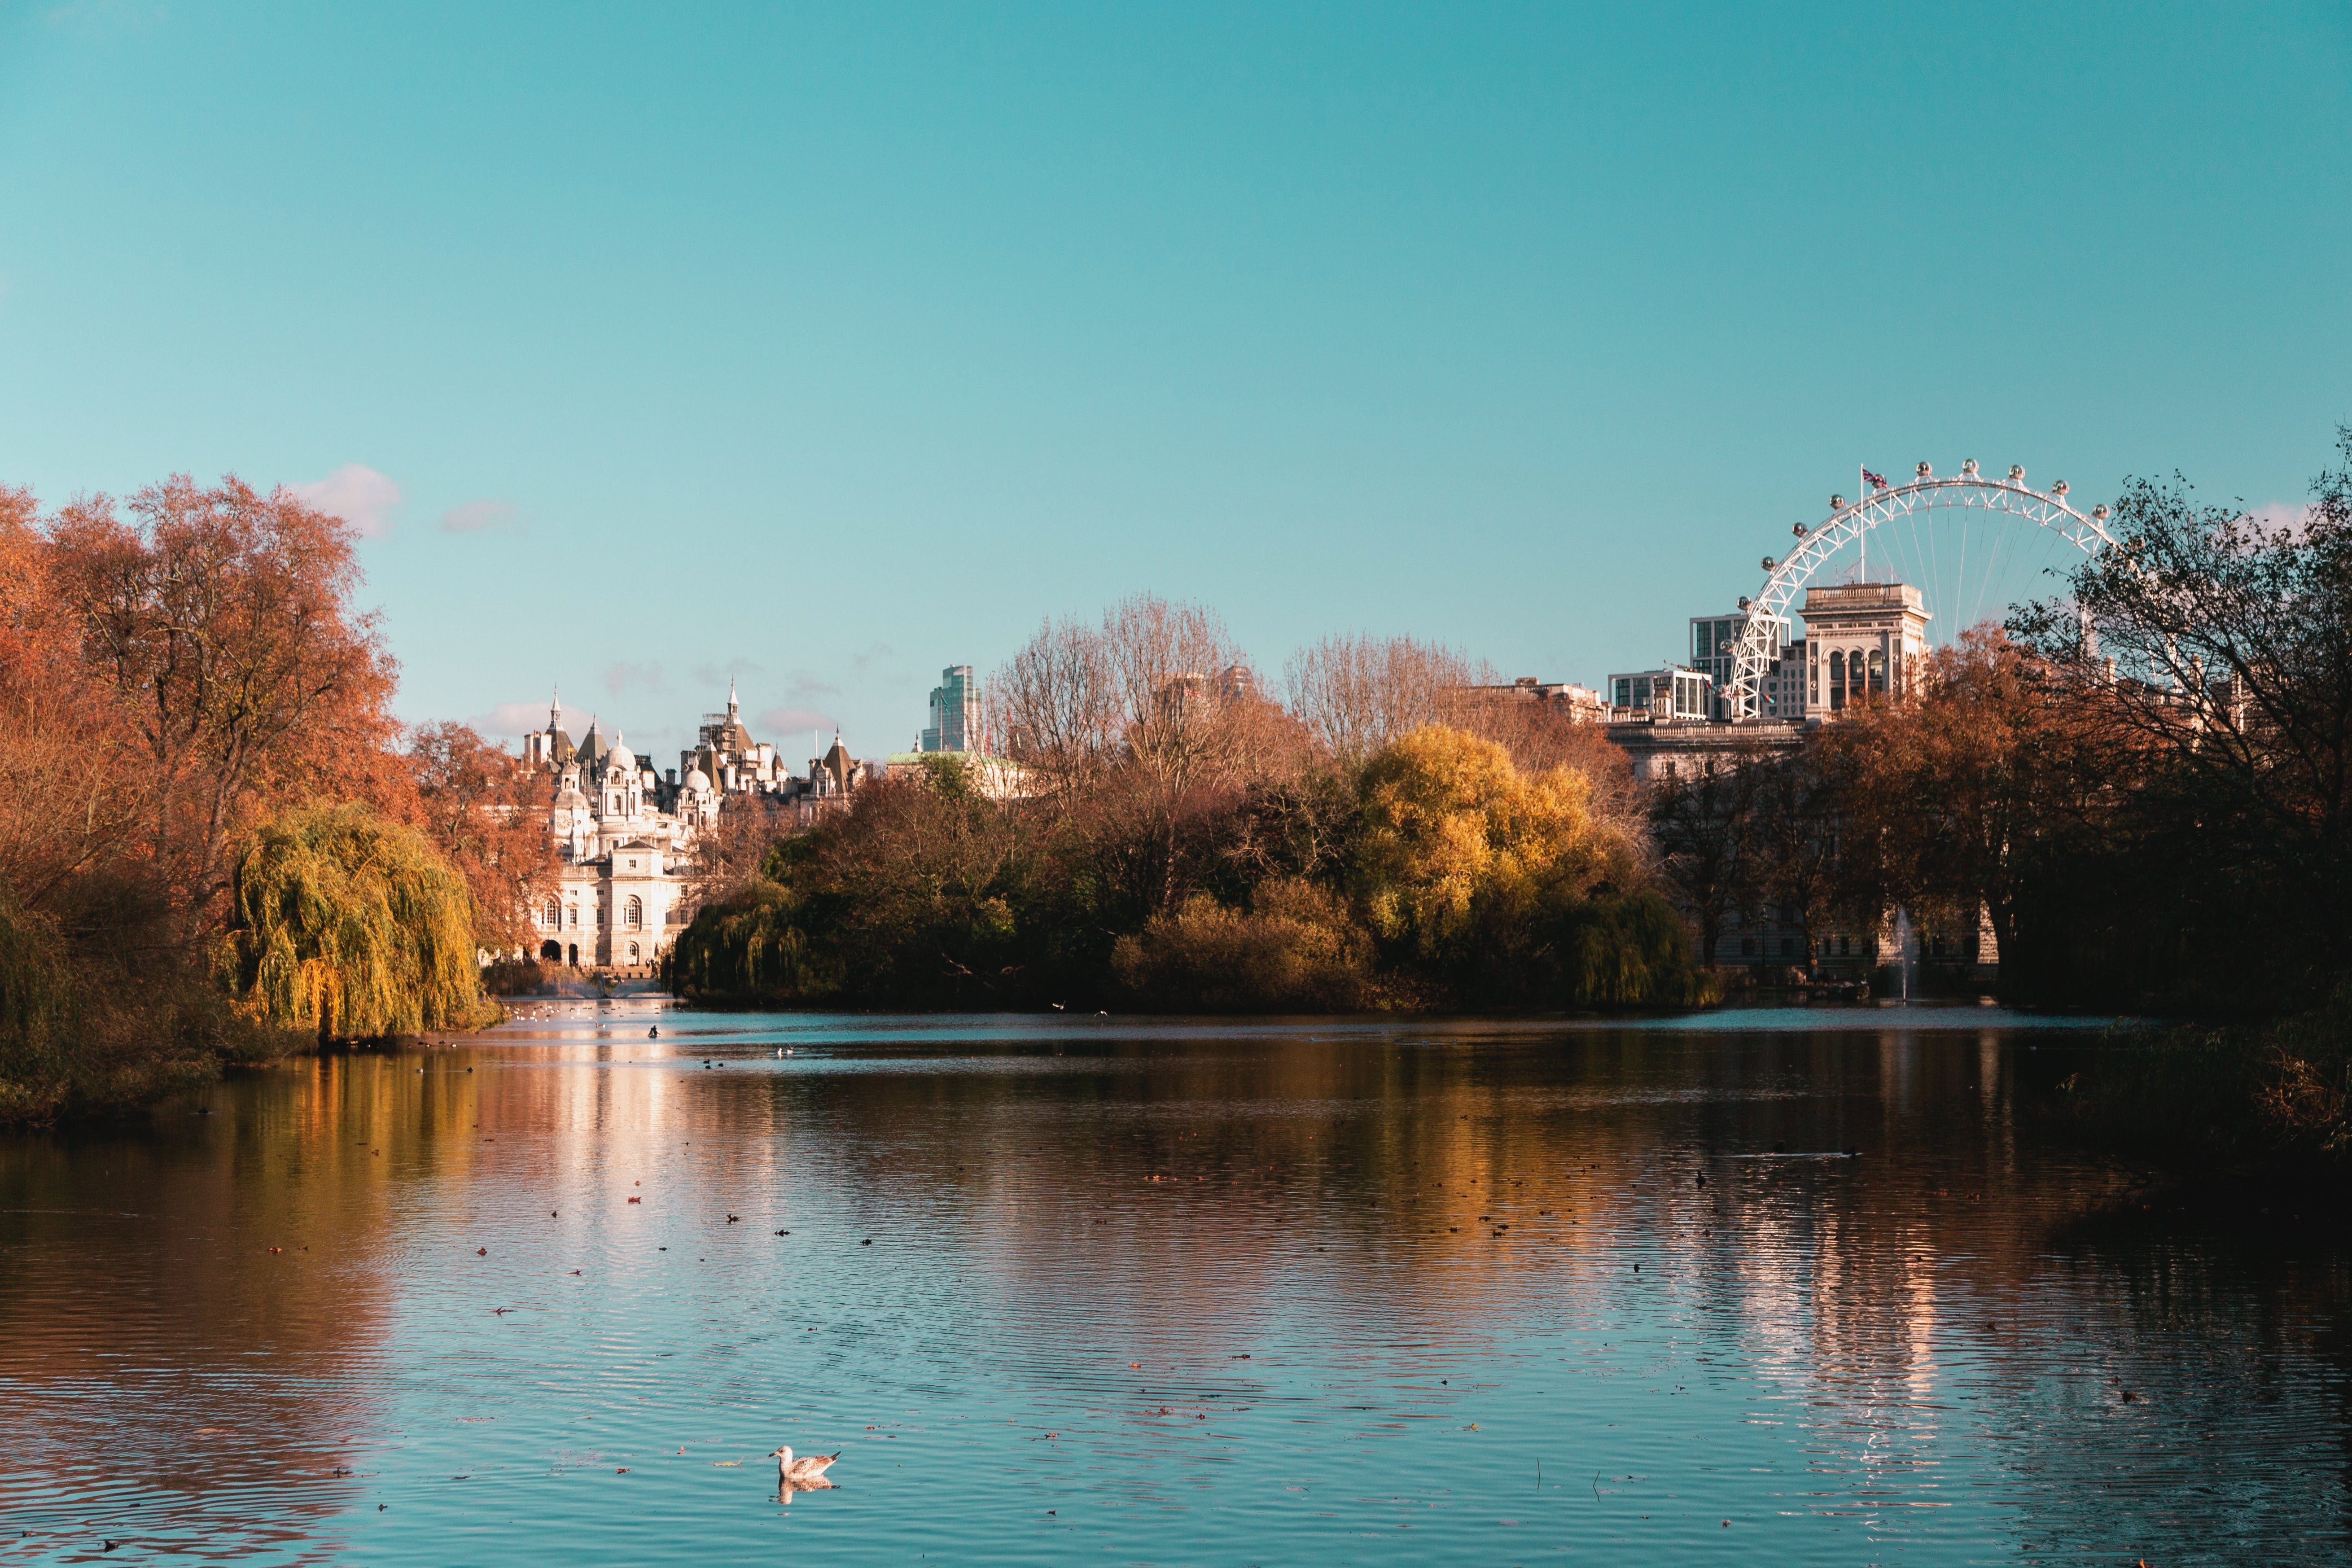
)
(1861, 639)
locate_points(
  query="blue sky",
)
(832, 345)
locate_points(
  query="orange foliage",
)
(179, 669)
(1957, 791)
(237, 680)
(488, 814)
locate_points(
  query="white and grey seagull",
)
(804, 1474)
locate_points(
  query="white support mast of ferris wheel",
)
(1862, 489)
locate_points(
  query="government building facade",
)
(624, 833)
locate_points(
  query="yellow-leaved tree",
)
(353, 925)
(1453, 833)
(1506, 886)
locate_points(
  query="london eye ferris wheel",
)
(1972, 545)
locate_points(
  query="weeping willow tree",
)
(749, 945)
(353, 925)
(1627, 950)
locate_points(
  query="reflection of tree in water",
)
(1907, 1312)
(1939, 1317)
(2204, 1386)
(1114, 1228)
(147, 1285)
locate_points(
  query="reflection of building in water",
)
(624, 833)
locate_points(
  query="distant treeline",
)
(1394, 837)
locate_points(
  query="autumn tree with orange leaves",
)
(236, 677)
(489, 815)
(178, 672)
(1967, 792)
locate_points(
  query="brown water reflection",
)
(1271, 1292)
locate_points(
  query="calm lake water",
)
(1102, 1291)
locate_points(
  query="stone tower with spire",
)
(549, 748)
(624, 836)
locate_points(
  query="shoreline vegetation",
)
(217, 845)
(2253, 1103)
(1438, 874)
(1398, 831)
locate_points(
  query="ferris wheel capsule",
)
(1798, 530)
(1837, 504)
(1968, 468)
(2099, 512)
(1925, 470)
(2017, 473)
(2059, 489)
(1769, 564)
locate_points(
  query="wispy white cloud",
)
(356, 493)
(482, 516)
(803, 685)
(2280, 515)
(783, 726)
(509, 719)
(621, 678)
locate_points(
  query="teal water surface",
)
(1761, 1287)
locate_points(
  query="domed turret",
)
(622, 757)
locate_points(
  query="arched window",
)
(1877, 669)
(633, 952)
(554, 914)
(1837, 681)
(635, 915)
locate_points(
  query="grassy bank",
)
(2262, 1100)
(87, 1032)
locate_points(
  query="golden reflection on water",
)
(1210, 1269)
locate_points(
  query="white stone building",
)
(1860, 638)
(625, 835)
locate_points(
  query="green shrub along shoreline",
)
(1437, 875)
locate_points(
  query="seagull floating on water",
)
(806, 1473)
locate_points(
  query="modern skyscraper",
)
(1713, 650)
(955, 714)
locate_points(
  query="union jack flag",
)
(1875, 481)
